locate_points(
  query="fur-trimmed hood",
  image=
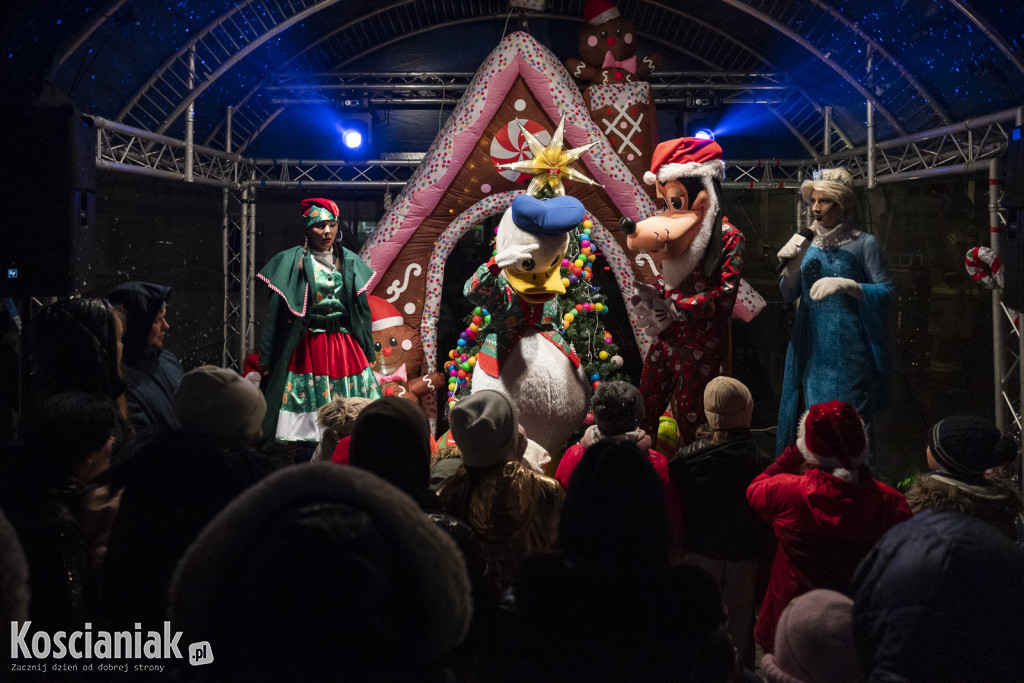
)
(318, 568)
(994, 501)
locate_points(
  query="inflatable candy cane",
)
(985, 268)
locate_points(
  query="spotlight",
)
(353, 103)
(701, 100)
(355, 133)
(705, 134)
(353, 138)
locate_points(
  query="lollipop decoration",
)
(509, 145)
(986, 269)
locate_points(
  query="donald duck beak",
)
(536, 287)
(546, 225)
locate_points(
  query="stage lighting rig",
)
(701, 100)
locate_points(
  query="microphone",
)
(802, 236)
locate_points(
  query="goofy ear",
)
(713, 253)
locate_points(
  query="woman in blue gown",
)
(839, 348)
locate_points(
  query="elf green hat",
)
(318, 210)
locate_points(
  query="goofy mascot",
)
(687, 310)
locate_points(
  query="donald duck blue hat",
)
(555, 216)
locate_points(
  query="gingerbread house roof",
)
(521, 85)
(518, 55)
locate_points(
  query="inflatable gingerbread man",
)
(399, 362)
(607, 46)
(700, 256)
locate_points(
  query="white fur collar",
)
(844, 233)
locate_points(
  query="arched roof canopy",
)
(937, 62)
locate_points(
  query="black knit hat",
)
(391, 438)
(618, 408)
(966, 446)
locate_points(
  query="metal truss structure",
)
(211, 52)
(237, 249)
(383, 91)
(830, 37)
(372, 174)
(390, 90)
(817, 27)
(393, 173)
(142, 152)
(957, 148)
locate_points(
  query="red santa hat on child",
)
(832, 438)
(383, 315)
(596, 12)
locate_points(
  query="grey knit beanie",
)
(219, 403)
(485, 425)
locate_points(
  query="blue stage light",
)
(353, 139)
(705, 134)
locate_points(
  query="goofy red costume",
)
(700, 257)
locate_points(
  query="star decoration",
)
(550, 164)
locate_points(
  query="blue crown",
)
(833, 175)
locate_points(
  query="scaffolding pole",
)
(870, 131)
(998, 326)
(827, 147)
(248, 341)
(190, 118)
(243, 279)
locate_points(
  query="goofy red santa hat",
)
(700, 256)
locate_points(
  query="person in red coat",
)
(618, 411)
(824, 507)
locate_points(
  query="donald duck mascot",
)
(523, 354)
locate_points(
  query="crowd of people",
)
(392, 557)
(141, 495)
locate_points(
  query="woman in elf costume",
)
(316, 339)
